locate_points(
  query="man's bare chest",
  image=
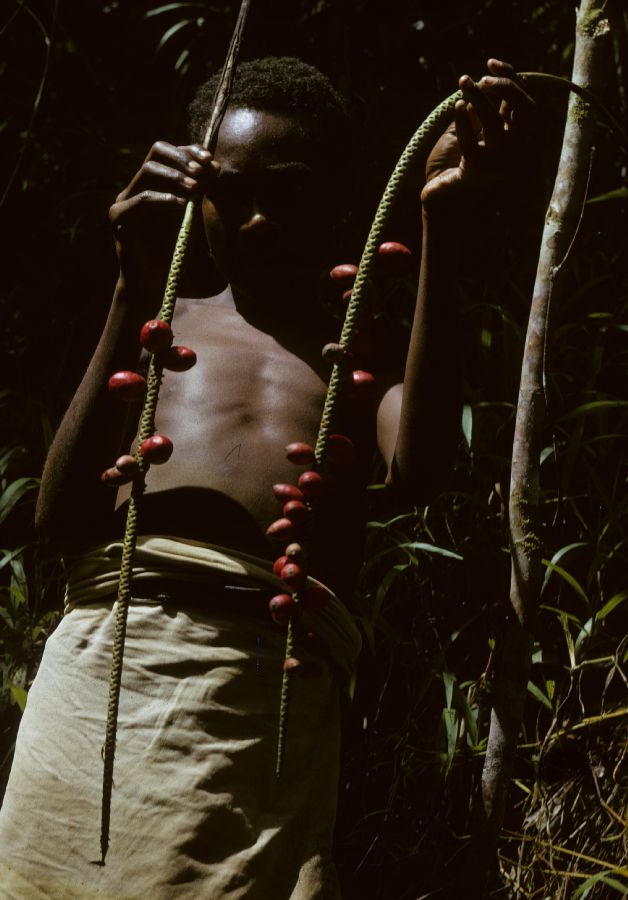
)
(243, 377)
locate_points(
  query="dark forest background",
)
(87, 87)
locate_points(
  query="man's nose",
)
(256, 221)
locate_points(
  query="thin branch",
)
(18, 9)
(48, 40)
(561, 225)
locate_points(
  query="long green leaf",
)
(387, 581)
(566, 576)
(19, 695)
(539, 695)
(9, 555)
(467, 424)
(7, 456)
(14, 493)
(618, 194)
(451, 723)
(431, 548)
(569, 640)
(561, 613)
(170, 6)
(449, 680)
(594, 406)
(556, 559)
(584, 635)
(612, 604)
(600, 877)
(170, 33)
(409, 545)
(395, 521)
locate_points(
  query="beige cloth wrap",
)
(197, 811)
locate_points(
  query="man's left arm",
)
(473, 162)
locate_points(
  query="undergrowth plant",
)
(30, 582)
(432, 608)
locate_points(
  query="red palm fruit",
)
(281, 530)
(279, 564)
(127, 464)
(340, 450)
(156, 336)
(295, 553)
(113, 477)
(281, 607)
(362, 342)
(127, 386)
(363, 334)
(315, 597)
(311, 484)
(156, 449)
(285, 492)
(299, 453)
(347, 295)
(293, 575)
(296, 511)
(292, 666)
(333, 353)
(362, 382)
(393, 248)
(395, 256)
(177, 359)
(343, 273)
(359, 377)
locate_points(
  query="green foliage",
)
(29, 580)
(424, 691)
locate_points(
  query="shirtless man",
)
(268, 195)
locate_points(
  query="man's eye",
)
(227, 188)
(286, 189)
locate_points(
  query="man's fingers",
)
(499, 67)
(129, 212)
(492, 124)
(209, 167)
(467, 140)
(186, 159)
(506, 89)
(200, 153)
(173, 165)
(157, 177)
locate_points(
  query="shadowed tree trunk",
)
(513, 660)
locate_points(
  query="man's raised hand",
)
(147, 213)
(485, 147)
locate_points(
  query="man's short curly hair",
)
(278, 84)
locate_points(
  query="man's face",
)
(266, 215)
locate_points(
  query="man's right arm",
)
(473, 167)
(74, 506)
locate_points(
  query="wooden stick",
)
(514, 654)
(221, 98)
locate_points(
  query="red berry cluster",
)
(156, 338)
(296, 502)
(343, 277)
(297, 499)
(393, 258)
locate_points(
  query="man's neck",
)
(296, 320)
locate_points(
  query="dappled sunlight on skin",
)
(266, 214)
